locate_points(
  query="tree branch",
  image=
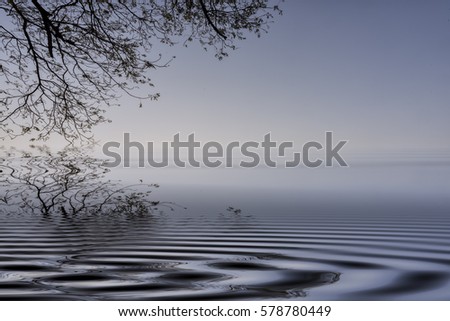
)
(208, 18)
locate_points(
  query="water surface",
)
(368, 233)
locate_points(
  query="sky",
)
(375, 73)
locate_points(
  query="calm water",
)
(365, 233)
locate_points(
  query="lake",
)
(373, 231)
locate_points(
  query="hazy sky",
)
(376, 73)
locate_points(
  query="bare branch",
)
(63, 62)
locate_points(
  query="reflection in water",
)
(68, 183)
(132, 254)
(327, 250)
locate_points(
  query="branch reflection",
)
(68, 183)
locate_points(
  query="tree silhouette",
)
(63, 61)
(69, 183)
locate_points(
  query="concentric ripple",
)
(183, 257)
